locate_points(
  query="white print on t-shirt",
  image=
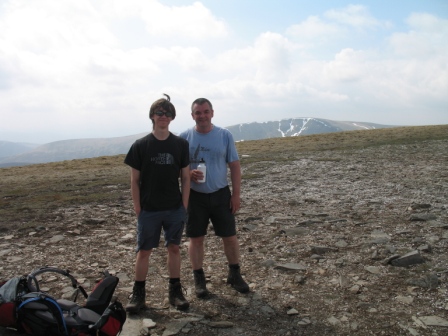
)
(163, 159)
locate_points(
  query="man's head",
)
(201, 101)
(202, 113)
(164, 105)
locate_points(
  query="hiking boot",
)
(137, 300)
(200, 286)
(176, 297)
(236, 280)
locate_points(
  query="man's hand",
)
(235, 203)
(196, 175)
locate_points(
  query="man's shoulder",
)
(220, 129)
(178, 138)
(184, 134)
(223, 131)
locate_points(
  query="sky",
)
(76, 69)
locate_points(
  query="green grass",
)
(30, 194)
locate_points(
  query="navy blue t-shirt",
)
(159, 163)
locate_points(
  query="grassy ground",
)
(29, 193)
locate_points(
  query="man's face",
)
(202, 114)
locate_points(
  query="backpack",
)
(9, 291)
(25, 307)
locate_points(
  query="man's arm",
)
(135, 190)
(235, 176)
(185, 185)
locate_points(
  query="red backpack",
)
(25, 307)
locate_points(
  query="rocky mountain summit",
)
(333, 242)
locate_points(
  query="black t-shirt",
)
(159, 163)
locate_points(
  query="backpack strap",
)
(33, 284)
(52, 305)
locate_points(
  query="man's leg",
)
(231, 249)
(196, 253)
(232, 252)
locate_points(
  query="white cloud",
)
(427, 37)
(419, 59)
(347, 66)
(372, 83)
(39, 26)
(356, 16)
(272, 57)
(70, 66)
(315, 28)
(194, 21)
(336, 28)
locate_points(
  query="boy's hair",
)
(162, 103)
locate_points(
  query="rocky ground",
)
(348, 242)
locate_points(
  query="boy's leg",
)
(141, 264)
(138, 298)
(173, 228)
(173, 261)
(149, 226)
(176, 296)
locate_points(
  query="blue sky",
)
(91, 69)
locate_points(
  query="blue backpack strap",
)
(53, 306)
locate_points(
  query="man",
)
(212, 200)
(157, 160)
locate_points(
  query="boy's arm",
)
(185, 185)
(135, 190)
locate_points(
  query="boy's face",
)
(161, 117)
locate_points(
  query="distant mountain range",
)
(296, 127)
(69, 150)
(20, 154)
(14, 148)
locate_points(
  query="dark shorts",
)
(150, 224)
(214, 207)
